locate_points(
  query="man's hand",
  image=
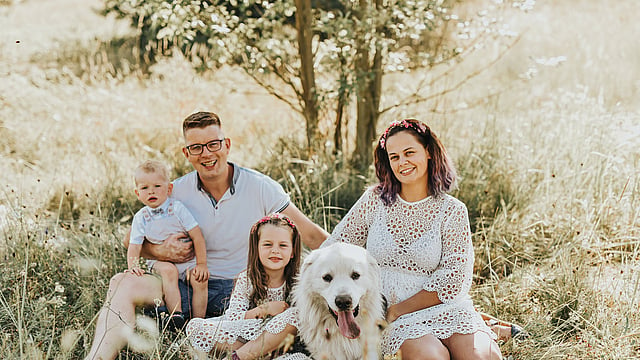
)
(201, 273)
(176, 249)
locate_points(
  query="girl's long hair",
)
(441, 171)
(255, 270)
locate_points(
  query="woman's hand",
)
(392, 314)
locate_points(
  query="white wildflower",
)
(59, 288)
(69, 339)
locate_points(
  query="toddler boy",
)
(160, 217)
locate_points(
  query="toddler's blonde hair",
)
(150, 167)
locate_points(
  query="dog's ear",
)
(373, 265)
(308, 260)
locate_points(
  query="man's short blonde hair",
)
(151, 167)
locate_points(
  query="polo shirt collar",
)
(232, 188)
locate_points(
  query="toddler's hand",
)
(135, 271)
(201, 273)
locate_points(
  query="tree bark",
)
(369, 85)
(307, 72)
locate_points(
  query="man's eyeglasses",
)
(212, 146)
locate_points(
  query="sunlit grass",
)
(549, 172)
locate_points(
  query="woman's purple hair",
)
(441, 171)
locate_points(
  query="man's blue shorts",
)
(219, 295)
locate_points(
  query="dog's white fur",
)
(339, 276)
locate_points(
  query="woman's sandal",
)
(518, 333)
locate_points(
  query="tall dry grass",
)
(546, 143)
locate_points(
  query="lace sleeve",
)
(239, 302)
(454, 274)
(354, 227)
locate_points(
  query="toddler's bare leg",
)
(200, 297)
(170, 290)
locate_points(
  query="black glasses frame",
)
(212, 146)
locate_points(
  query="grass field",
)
(546, 141)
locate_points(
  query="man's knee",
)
(166, 270)
(218, 298)
(130, 288)
(121, 281)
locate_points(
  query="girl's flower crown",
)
(277, 216)
(419, 127)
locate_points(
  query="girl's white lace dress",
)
(232, 326)
(419, 245)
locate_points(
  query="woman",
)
(421, 238)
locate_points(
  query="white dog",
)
(339, 302)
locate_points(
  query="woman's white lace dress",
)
(420, 245)
(232, 326)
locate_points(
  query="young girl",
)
(258, 317)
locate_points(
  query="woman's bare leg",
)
(200, 297)
(476, 346)
(427, 347)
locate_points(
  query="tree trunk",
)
(343, 97)
(369, 85)
(307, 74)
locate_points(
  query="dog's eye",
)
(355, 276)
(327, 278)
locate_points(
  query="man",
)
(225, 199)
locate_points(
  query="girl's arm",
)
(201, 271)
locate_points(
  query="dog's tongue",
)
(347, 325)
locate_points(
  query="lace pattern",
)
(418, 245)
(232, 326)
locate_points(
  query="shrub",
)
(321, 185)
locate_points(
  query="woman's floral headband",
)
(406, 123)
(276, 216)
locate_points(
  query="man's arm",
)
(173, 249)
(311, 233)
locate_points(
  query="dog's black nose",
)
(343, 302)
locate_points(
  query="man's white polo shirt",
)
(226, 223)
